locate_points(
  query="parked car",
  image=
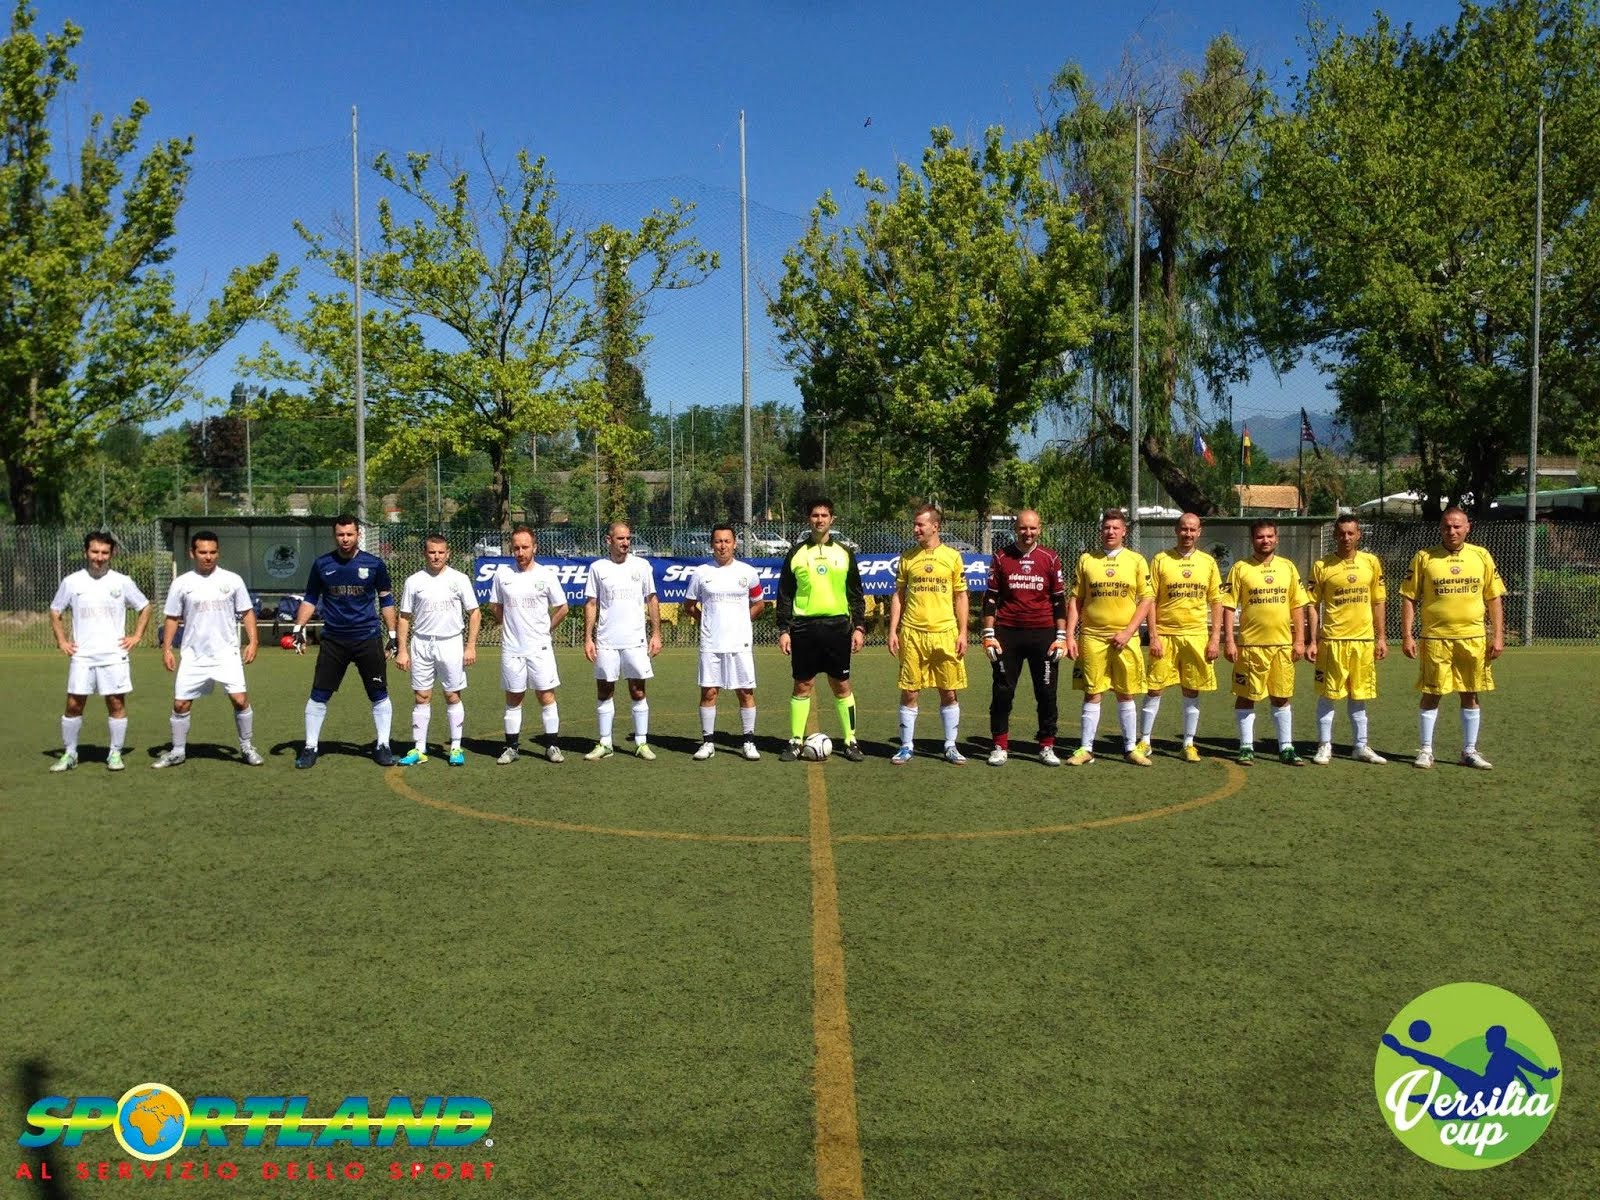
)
(561, 543)
(693, 543)
(765, 542)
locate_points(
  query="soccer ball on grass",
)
(818, 746)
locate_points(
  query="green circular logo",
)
(1468, 1076)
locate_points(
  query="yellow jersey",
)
(1265, 595)
(1185, 589)
(1452, 590)
(1345, 591)
(928, 581)
(1109, 590)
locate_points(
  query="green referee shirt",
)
(820, 581)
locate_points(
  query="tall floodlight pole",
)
(744, 316)
(1138, 247)
(1533, 407)
(361, 383)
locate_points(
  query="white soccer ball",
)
(818, 746)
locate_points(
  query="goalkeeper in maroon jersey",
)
(1024, 622)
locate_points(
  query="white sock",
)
(1358, 720)
(950, 715)
(1325, 711)
(316, 712)
(708, 721)
(550, 717)
(513, 722)
(1089, 722)
(1152, 706)
(641, 721)
(245, 722)
(455, 716)
(1128, 719)
(1245, 718)
(747, 720)
(71, 727)
(1471, 718)
(908, 725)
(180, 731)
(117, 728)
(604, 711)
(1191, 719)
(1283, 720)
(420, 715)
(1427, 718)
(382, 719)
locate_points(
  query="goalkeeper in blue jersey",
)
(352, 590)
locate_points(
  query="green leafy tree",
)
(92, 333)
(938, 322)
(1208, 304)
(1407, 170)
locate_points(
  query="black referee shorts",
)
(820, 646)
(334, 656)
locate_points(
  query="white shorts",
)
(631, 662)
(437, 657)
(109, 679)
(529, 672)
(727, 669)
(195, 679)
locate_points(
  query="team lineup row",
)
(1262, 619)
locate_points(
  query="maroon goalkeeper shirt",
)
(1026, 587)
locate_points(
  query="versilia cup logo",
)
(1468, 1076)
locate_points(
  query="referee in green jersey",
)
(822, 621)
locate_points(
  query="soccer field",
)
(732, 979)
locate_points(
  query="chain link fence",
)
(33, 560)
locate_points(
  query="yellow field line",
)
(395, 778)
(1235, 781)
(838, 1143)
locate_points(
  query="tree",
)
(1407, 170)
(479, 329)
(1207, 304)
(939, 321)
(91, 333)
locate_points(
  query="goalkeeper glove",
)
(299, 635)
(991, 645)
(1058, 648)
(393, 639)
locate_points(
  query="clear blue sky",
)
(618, 93)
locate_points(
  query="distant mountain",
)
(1279, 437)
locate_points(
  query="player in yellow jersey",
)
(1185, 631)
(1454, 585)
(1264, 635)
(928, 632)
(1111, 597)
(1348, 641)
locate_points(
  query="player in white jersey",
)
(529, 603)
(725, 597)
(99, 599)
(211, 602)
(432, 605)
(619, 600)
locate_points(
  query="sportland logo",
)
(1468, 1076)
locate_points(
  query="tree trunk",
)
(31, 503)
(500, 484)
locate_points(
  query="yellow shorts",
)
(1263, 671)
(1099, 668)
(1347, 670)
(1453, 665)
(1183, 661)
(928, 660)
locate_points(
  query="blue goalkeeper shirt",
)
(343, 589)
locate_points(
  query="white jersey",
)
(725, 595)
(622, 589)
(209, 606)
(99, 613)
(438, 604)
(527, 599)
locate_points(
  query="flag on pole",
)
(1308, 434)
(1203, 451)
(1244, 447)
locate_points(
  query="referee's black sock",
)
(511, 739)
